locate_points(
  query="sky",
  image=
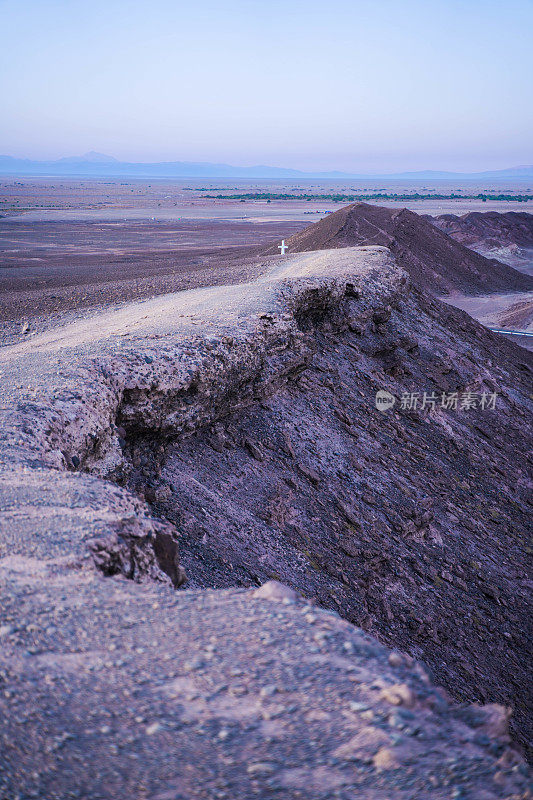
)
(352, 85)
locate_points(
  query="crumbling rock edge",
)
(174, 387)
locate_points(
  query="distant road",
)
(513, 333)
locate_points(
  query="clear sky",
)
(358, 85)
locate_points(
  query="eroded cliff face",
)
(167, 382)
(411, 522)
(255, 446)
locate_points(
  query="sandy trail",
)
(210, 308)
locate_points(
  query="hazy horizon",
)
(101, 160)
(351, 86)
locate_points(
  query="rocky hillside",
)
(411, 523)
(507, 237)
(434, 260)
(234, 431)
(489, 230)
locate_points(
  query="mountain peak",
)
(92, 156)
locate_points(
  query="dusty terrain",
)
(232, 432)
(238, 424)
(126, 691)
(69, 246)
(50, 271)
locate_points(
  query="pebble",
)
(395, 659)
(273, 590)
(397, 695)
(385, 759)
(353, 706)
(268, 691)
(196, 663)
(260, 768)
(153, 728)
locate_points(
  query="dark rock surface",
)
(412, 523)
(435, 261)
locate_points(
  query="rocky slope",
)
(507, 236)
(411, 523)
(239, 424)
(434, 260)
(489, 230)
(115, 690)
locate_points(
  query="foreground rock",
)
(112, 689)
(242, 419)
(435, 261)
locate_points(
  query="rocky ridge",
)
(196, 671)
(434, 260)
(506, 236)
(489, 230)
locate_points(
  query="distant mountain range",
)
(99, 165)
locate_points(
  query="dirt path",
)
(181, 312)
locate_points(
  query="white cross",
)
(282, 247)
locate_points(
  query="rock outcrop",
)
(411, 522)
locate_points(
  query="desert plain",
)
(69, 245)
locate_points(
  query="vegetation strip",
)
(337, 198)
